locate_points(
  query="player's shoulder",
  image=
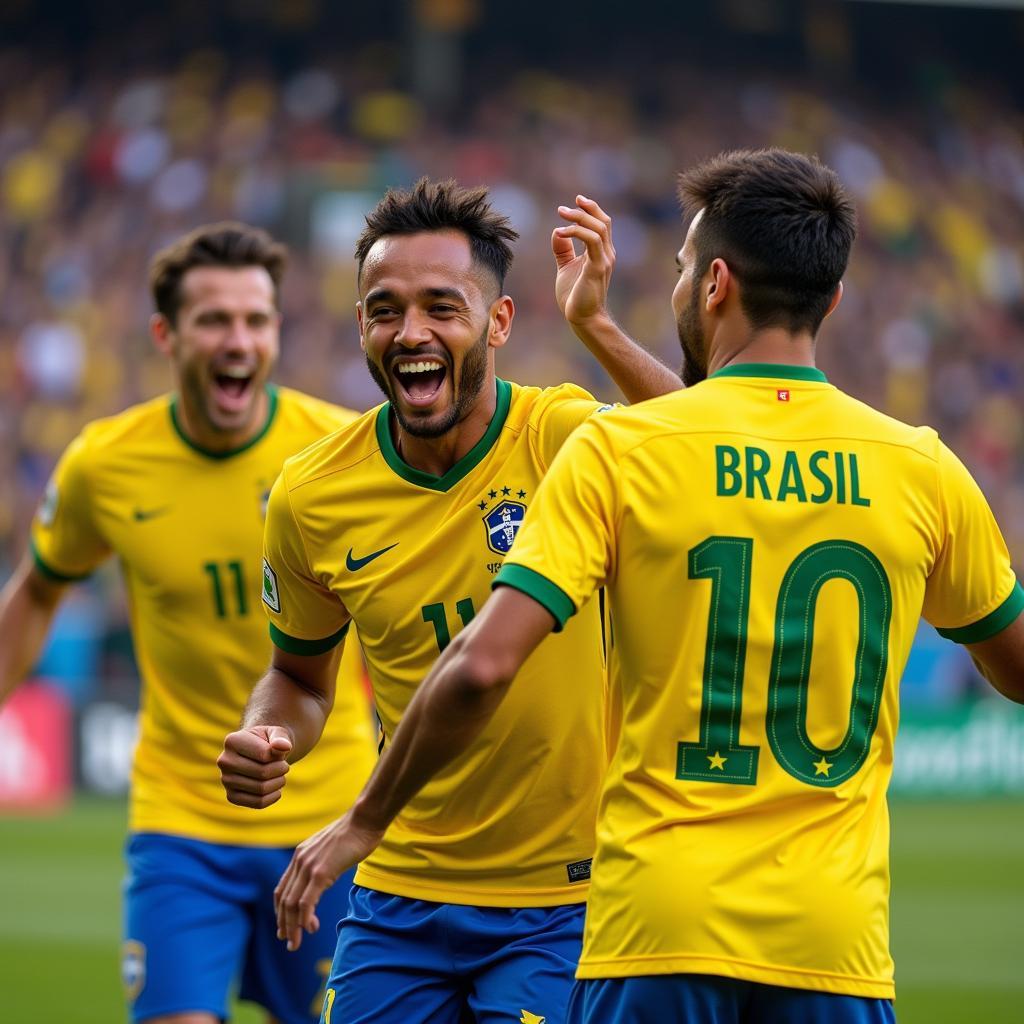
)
(706, 407)
(867, 423)
(624, 425)
(347, 446)
(529, 404)
(141, 423)
(300, 410)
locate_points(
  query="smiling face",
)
(427, 320)
(223, 345)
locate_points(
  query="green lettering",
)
(718, 755)
(826, 484)
(855, 498)
(758, 472)
(726, 461)
(792, 482)
(789, 687)
(840, 479)
(438, 618)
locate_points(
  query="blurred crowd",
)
(98, 171)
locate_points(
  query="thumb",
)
(279, 740)
(562, 248)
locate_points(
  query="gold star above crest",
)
(821, 767)
(717, 761)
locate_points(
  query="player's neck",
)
(774, 345)
(200, 434)
(437, 455)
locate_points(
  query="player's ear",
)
(502, 311)
(160, 330)
(359, 320)
(836, 299)
(716, 284)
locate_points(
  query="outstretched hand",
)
(253, 766)
(581, 281)
(316, 865)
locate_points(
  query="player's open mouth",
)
(420, 379)
(233, 387)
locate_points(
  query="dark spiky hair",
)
(784, 225)
(443, 206)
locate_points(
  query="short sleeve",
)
(66, 544)
(560, 412)
(305, 617)
(971, 593)
(564, 550)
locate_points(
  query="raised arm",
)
(581, 290)
(1000, 659)
(282, 722)
(28, 603)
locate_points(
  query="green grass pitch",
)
(957, 898)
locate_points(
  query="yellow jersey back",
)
(187, 526)
(768, 545)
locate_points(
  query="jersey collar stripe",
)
(776, 371)
(465, 465)
(260, 434)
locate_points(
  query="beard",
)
(691, 338)
(466, 391)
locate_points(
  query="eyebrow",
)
(444, 293)
(388, 295)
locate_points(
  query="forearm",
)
(280, 699)
(448, 712)
(26, 611)
(637, 373)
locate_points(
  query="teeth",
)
(423, 366)
(235, 372)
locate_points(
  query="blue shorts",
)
(199, 920)
(707, 999)
(404, 961)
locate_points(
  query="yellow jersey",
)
(187, 527)
(355, 534)
(768, 545)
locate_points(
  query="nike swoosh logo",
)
(140, 515)
(355, 564)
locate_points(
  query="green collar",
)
(469, 461)
(258, 436)
(777, 371)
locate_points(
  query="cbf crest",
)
(502, 520)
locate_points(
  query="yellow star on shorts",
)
(717, 761)
(821, 767)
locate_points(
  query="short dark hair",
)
(784, 225)
(443, 206)
(225, 244)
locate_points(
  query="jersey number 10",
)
(718, 755)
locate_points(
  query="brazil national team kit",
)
(496, 849)
(768, 545)
(187, 527)
(756, 534)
